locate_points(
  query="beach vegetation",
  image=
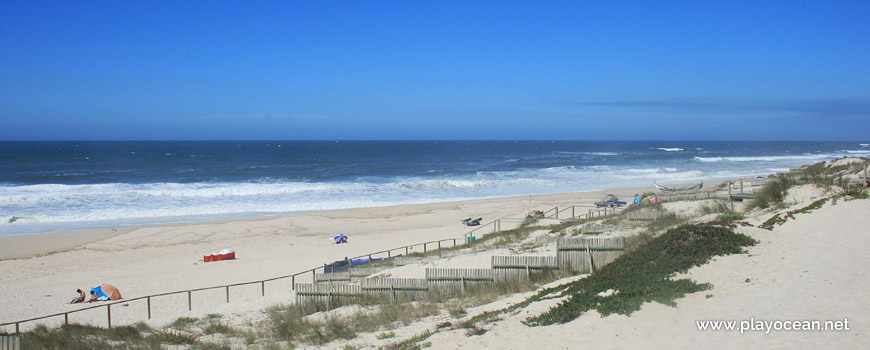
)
(297, 324)
(76, 336)
(412, 343)
(635, 241)
(386, 335)
(729, 215)
(183, 321)
(781, 218)
(171, 336)
(644, 274)
(773, 192)
(666, 220)
(852, 192)
(714, 207)
(213, 346)
(218, 328)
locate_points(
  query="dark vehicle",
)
(610, 201)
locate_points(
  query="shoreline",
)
(150, 260)
(27, 245)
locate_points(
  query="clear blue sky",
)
(124, 70)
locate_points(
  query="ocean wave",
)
(864, 144)
(667, 149)
(134, 202)
(806, 157)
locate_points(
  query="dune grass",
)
(715, 207)
(773, 192)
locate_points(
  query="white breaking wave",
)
(805, 157)
(666, 149)
(601, 153)
(78, 206)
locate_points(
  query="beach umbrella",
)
(106, 290)
(339, 238)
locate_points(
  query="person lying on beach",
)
(95, 297)
(78, 299)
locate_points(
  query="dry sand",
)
(811, 268)
(40, 273)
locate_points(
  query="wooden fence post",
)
(557, 213)
(149, 307)
(292, 282)
(189, 303)
(228, 294)
(263, 288)
(109, 314)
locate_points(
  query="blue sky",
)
(690, 70)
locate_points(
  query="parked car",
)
(610, 201)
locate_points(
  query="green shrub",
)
(386, 335)
(182, 322)
(644, 274)
(729, 216)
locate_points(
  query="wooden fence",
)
(390, 253)
(518, 267)
(586, 254)
(643, 215)
(396, 288)
(10, 342)
(453, 279)
(333, 277)
(329, 295)
(365, 271)
(594, 228)
(146, 301)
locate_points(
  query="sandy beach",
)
(164, 258)
(811, 268)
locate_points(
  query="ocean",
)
(63, 186)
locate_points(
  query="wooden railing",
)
(226, 287)
(390, 253)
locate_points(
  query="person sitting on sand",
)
(637, 199)
(80, 298)
(645, 201)
(95, 297)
